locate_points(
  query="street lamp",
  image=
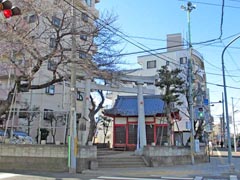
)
(226, 104)
(189, 9)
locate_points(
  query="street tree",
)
(172, 86)
(30, 114)
(93, 110)
(41, 37)
(105, 123)
(107, 59)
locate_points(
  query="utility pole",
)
(223, 121)
(189, 9)
(234, 129)
(73, 131)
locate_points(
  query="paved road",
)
(12, 176)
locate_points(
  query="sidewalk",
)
(217, 167)
(218, 151)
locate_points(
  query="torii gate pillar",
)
(141, 135)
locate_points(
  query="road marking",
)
(233, 177)
(133, 178)
(198, 178)
(177, 178)
(6, 175)
(125, 178)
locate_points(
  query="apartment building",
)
(176, 56)
(45, 55)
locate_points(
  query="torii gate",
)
(87, 85)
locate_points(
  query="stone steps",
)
(120, 162)
(118, 159)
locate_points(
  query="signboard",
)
(205, 102)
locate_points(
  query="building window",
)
(24, 86)
(51, 65)
(50, 90)
(82, 55)
(83, 37)
(88, 2)
(84, 17)
(56, 21)
(151, 64)
(47, 114)
(183, 60)
(79, 96)
(53, 43)
(32, 18)
(132, 133)
(23, 113)
(120, 135)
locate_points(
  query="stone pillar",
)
(141, 120)
(84, 122)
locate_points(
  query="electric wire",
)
(235, 0)
(212, 4)
(121, 35)
(221, 85)
(215, 74)
(149, 50)
(112, 29)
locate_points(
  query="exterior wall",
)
(173, 57)
(60, 101)
(162, 156)
(126, 121)
(43, 157)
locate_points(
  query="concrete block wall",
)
(43, 157)
(166, 155)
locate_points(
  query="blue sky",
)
(157, 18)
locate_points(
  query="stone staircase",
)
(119, 159)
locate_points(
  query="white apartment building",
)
(176, 56)
(54, 99)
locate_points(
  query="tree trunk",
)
(5, 104)
(170, 126)
(92, 128)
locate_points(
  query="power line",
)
(124, 37)
(221, 85)
(235, 0)
(213, 4)
(221, 26)
(148, 50)
(163, 48)
(215, 74)
(194, 43)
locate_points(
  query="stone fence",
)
(161, 156)
(43, 157)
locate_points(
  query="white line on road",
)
(6, 175)
(177, 178)
(125, 178)
(233, 177)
